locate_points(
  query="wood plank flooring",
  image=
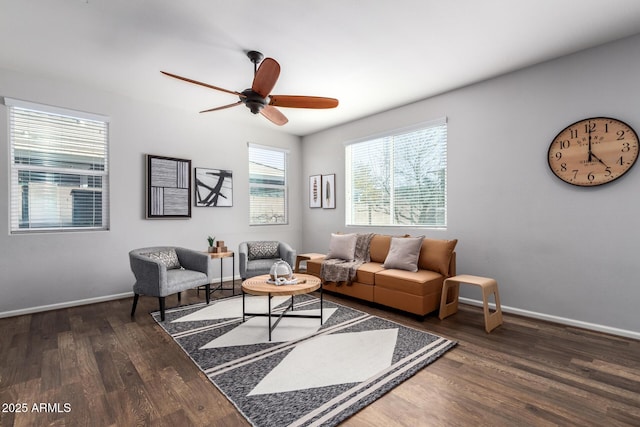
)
(95, 366)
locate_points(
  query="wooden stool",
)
(449, 306)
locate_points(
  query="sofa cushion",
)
(421, 282)
(367, 271)
(342, 246)
(169, 258)
(379, 247)
(263, 250)
(403, 253)
(435, 255)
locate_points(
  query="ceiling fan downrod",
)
(255, 57)
(254, 102)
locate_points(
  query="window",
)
(267, 185)
(399, 178)
(59, 169)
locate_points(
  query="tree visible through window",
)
(59, 173)
(267, 185)
(399, 178)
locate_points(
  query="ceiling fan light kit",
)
(258, 98)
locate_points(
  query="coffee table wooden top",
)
(258, 286)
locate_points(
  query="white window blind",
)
(59, 169)
(267, 185)
(399, 178)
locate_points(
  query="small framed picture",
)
(329, 191)
(315, 191)
(214, 187)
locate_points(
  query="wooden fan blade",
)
(266, 77)
(295, 101)
(233, 92)
(273, 114)
(222, 108)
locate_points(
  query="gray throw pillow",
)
(169, 258)
(342, 246)
(403, 253)
(263, 250)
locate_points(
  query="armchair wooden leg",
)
(179, 297)
(207, 290)
(135, 304)
(161, 308)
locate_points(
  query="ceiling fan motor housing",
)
(253, 101)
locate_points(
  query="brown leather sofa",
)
(414, 292)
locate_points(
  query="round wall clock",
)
(593, 151)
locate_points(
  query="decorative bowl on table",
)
(280, 273)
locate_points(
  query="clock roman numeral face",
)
(593, 151)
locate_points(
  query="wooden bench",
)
(451, 291)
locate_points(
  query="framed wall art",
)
(329, 191)
(168, 187)
(214, 187)
(315, 191)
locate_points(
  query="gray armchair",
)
(257, 257)
(165, 270)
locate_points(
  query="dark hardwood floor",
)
(95, 366)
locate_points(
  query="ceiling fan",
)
(258, 97)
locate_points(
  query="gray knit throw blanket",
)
(340, 270)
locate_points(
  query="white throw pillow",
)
(403, 253)
(342, 246)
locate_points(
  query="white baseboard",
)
(557, 319)
(506, 309)
(76, 303)
(38, 309)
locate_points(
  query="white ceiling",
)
(371, 55)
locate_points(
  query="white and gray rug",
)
(308, 374)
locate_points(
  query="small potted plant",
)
(211, 240)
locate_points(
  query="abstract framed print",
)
(168, 187)
(214, 187)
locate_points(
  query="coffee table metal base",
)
(270, 313)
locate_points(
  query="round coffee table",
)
(258, 286)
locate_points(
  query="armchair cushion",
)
(169, 258)
(263, 250)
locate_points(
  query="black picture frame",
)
(168, 187)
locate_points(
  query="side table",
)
(449, 302)
(306, 257)
(221, 256)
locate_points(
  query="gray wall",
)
(53, 270)
(557, 251)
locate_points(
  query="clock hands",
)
(591, 155)
(589, 131)
(598, 159)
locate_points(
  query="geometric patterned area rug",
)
(308, 374)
